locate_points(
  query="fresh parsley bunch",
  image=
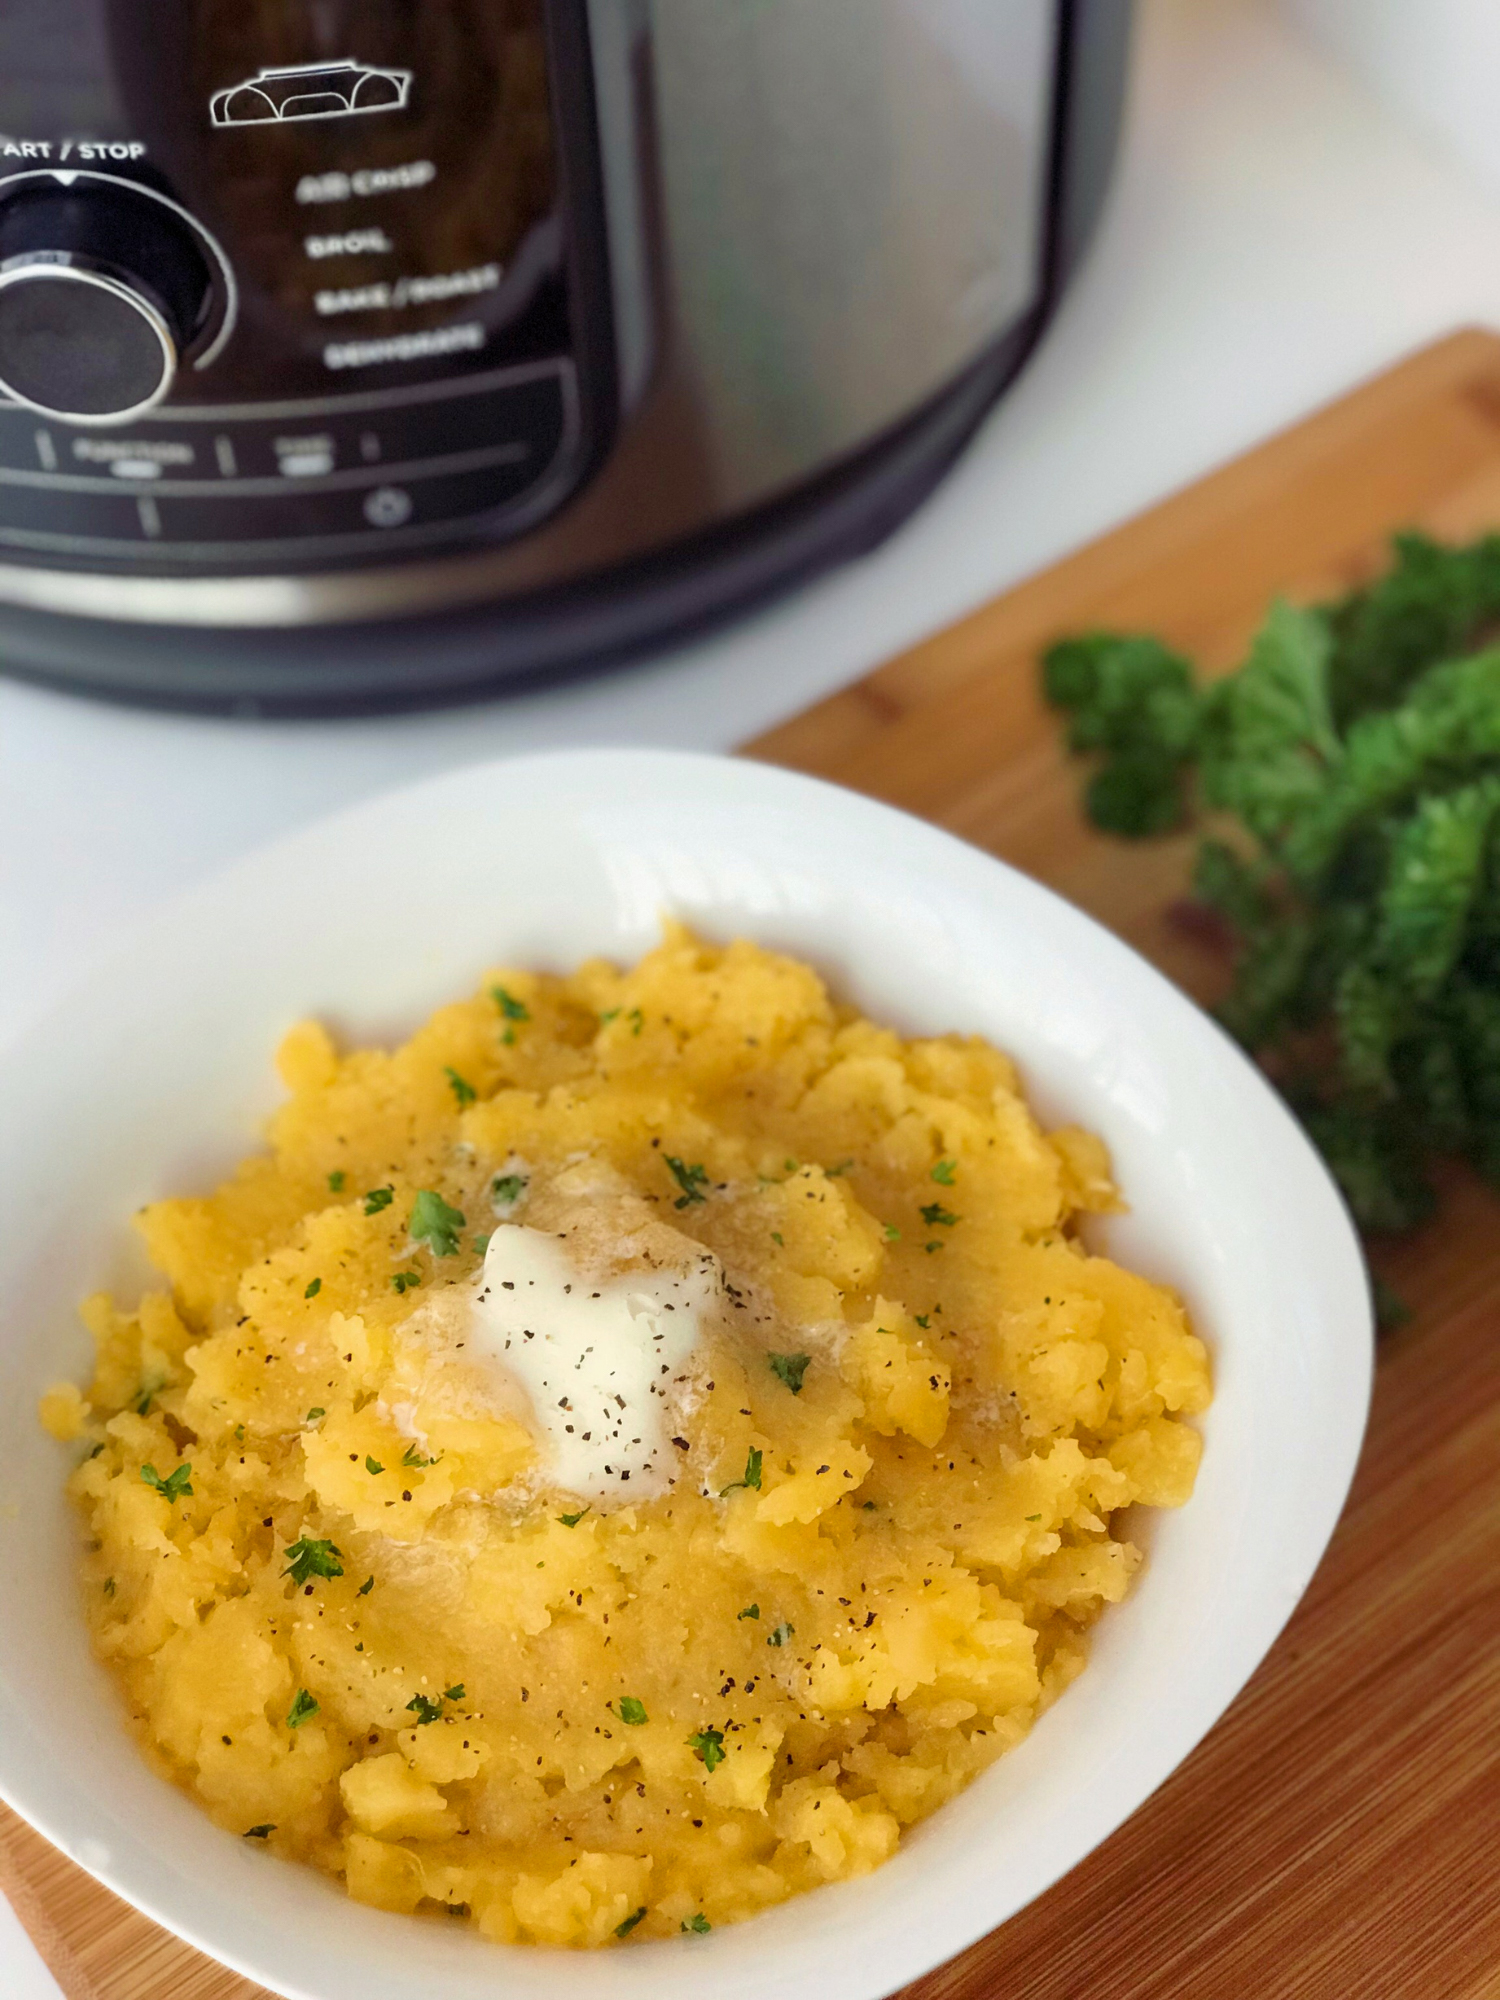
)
(1355, 757)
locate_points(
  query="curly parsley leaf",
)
(790, 1369)
(1355, 759)
(1432, 604)
(1134, 700)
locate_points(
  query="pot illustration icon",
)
(310, 90)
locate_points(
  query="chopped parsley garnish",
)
(405, 1281)
(751, 1478)
(436, 1223)
(843, 1167)
(314, 1286)
(636, 1019)
(938, 1217)
(373, 1466)
(302, 1707)
(482, 1243)
(922, 1320)
(507, 1189)
(366, 1587)
(455, 1693)
(414, 1460)
(930, 1247)
(892, 1233)
(624, 1930)
(698, 1923)
(512, 1010)
(310, 1558)
(780, 1635)
(379, 1198)
(1358, 747)
(1033, 1517)
(632, 1711)
(945, 1172)
(708, 1746)
(750, 1611)
(572, 1520)
(777, 1237)
(424, 1710)
(109, 1586)
(692, 1180)
(609, 1014)
(174, 1486)
(463, 1091)
(789, 1368)
(336, 1181)
(510, 1007)
(262, 1832)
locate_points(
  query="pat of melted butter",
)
(601, 1358)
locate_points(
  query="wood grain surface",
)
(1336, 1836)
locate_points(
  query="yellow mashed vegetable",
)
(430, 1672)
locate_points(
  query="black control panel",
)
(294, 286)
(295, 481)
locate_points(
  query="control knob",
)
(101, 290)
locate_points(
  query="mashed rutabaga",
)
(376, 1605)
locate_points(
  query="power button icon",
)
(388, 507)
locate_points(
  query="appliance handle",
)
(620, 54)
(1093, 62)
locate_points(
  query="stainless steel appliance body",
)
(357, 352)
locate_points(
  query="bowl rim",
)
(976, 878)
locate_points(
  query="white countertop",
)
(1274, 236)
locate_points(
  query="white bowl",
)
(152, 1078)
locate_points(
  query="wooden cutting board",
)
(1337, 1836)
